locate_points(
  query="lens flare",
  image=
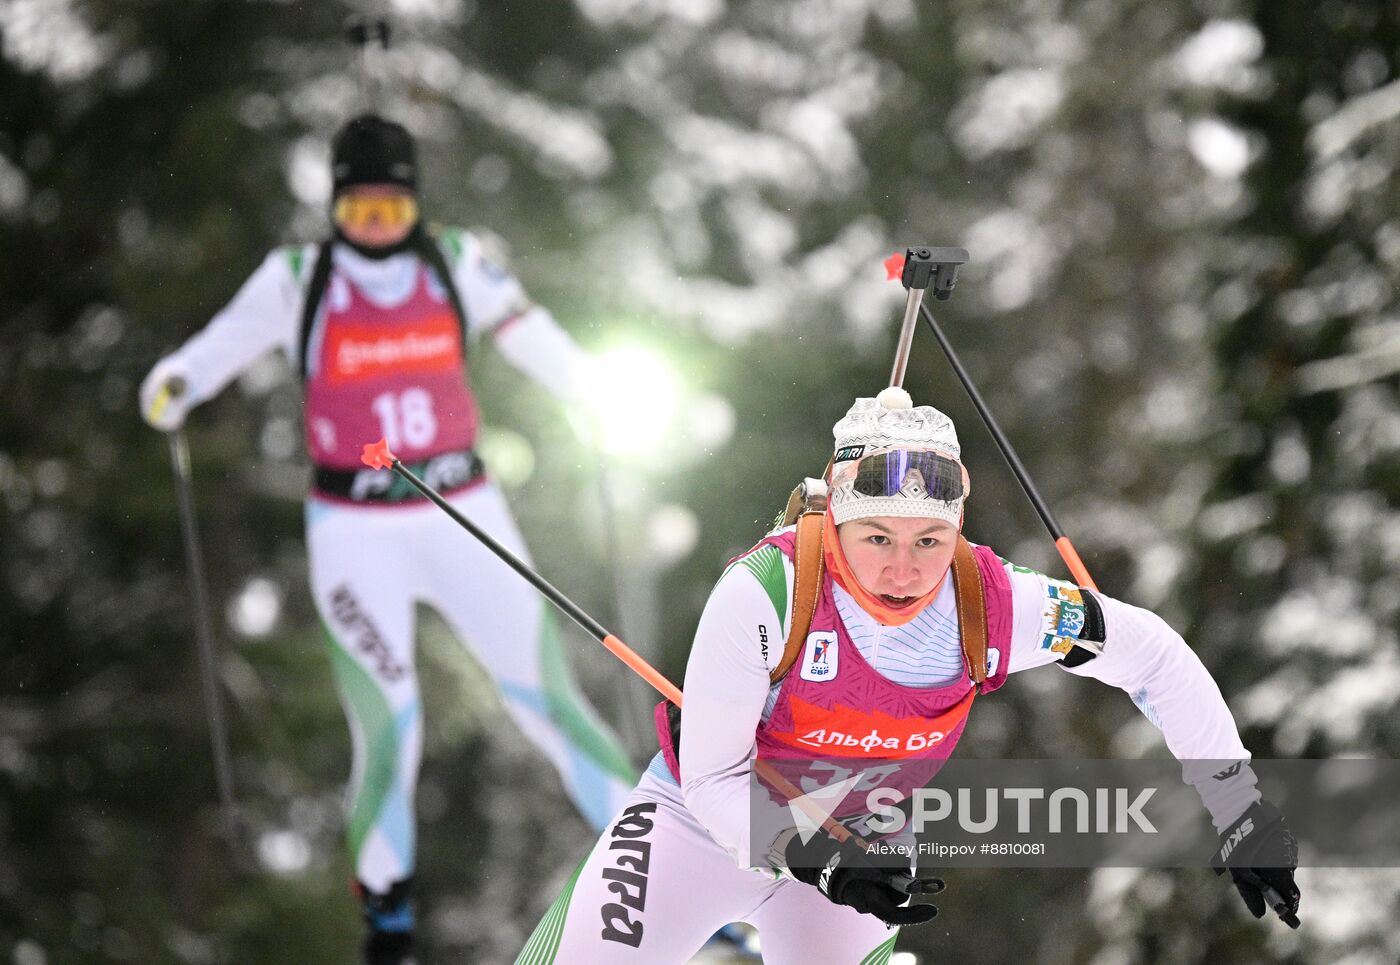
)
(634, 399)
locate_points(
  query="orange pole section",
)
(643, 669)
(378, 456)
(1076, 566)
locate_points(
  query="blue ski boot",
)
(389, 919)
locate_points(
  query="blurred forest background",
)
(1181, 303)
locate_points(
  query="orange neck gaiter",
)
(840, 571)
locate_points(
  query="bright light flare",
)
(633, 400)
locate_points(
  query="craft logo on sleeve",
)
(430, 345)
(1064, 617)
(819, 662)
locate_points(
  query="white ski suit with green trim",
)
(370, 564)
(694, 837)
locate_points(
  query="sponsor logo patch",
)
(841, 731)
(355, 353)
(819, 662)
(1064, 616)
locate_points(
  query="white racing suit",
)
(697, 876)
(385, 358)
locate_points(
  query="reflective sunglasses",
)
(911, 473)
(388, 211)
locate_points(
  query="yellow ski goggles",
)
(386, 211)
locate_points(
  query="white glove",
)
(165, 396)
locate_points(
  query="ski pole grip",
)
(173, 388)
(936, 267)
(361, 31)
(1280, 907)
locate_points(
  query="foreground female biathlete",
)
(884, 651)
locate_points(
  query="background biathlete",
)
(378, 319)
(884, 639)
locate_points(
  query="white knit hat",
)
(890, 421)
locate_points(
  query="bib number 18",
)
(406, 418)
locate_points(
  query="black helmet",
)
(372, 150)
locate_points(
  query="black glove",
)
(1261, 855)
(846, 875)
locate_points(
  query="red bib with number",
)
(397, 374)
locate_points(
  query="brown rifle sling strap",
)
(972, 610)
(807, 582)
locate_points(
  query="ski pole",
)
(922, 264)
(377, 456)
(1279, 906)
(203, 623)
(919, 268)
(364, 33)
(1062, 542)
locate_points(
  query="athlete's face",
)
(376, 215)
(898, 558)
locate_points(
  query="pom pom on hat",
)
(894, 398)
